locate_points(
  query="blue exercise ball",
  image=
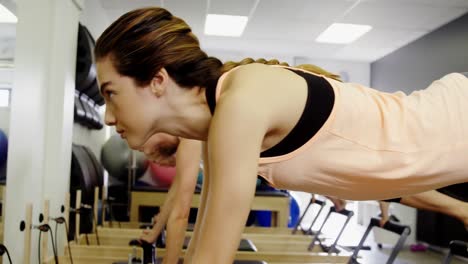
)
(3, 148)
(294, 212)
(200, 177)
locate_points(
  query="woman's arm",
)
(201, 209)
(160, 219)
(176, 207)
(236, 134)
(188, 164)
(384, 206)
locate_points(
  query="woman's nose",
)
(109, 118)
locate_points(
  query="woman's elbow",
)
(180, 213)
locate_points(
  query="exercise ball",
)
(294, 212)
(200, 177)
(115, 155)
(141, 164)
(3, 148)
(162, 175)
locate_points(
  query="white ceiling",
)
(289, 27)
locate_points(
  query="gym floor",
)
(406, 256)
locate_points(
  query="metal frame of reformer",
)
(333, 248)
(456, 248)
(402, 230)
(298, 226)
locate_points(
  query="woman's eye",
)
(109, 94)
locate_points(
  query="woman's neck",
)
(192, 116)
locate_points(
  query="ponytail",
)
(307, 67)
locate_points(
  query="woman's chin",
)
(134, 143)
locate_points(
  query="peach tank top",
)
(376, 145)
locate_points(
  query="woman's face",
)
(129, 108)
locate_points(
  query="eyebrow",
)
(103, 86)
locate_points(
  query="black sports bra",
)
(318, 107)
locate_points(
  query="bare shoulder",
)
(250, 74)
(251, 96)
(257, 93)
(256, 80)
(245, 85)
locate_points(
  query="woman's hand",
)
(384, 207)
(149, 235)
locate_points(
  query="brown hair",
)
(143, 41)
(308, 67)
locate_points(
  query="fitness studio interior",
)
(75, 189)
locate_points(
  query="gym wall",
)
(94, 139)
(92, 17)
(81, 135)
(350, 71)
(6, 75)
(414, 67)
(225, 56)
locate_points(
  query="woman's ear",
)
(159, 82)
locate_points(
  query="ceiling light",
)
(6, 16)
(225, 25)
(339, 33)
(4, 97)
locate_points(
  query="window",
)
(5, 97)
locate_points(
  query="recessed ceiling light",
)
(339, 33)
(6, 16)
(4, 97)
(225, 25)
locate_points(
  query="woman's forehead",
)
(105, 70)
